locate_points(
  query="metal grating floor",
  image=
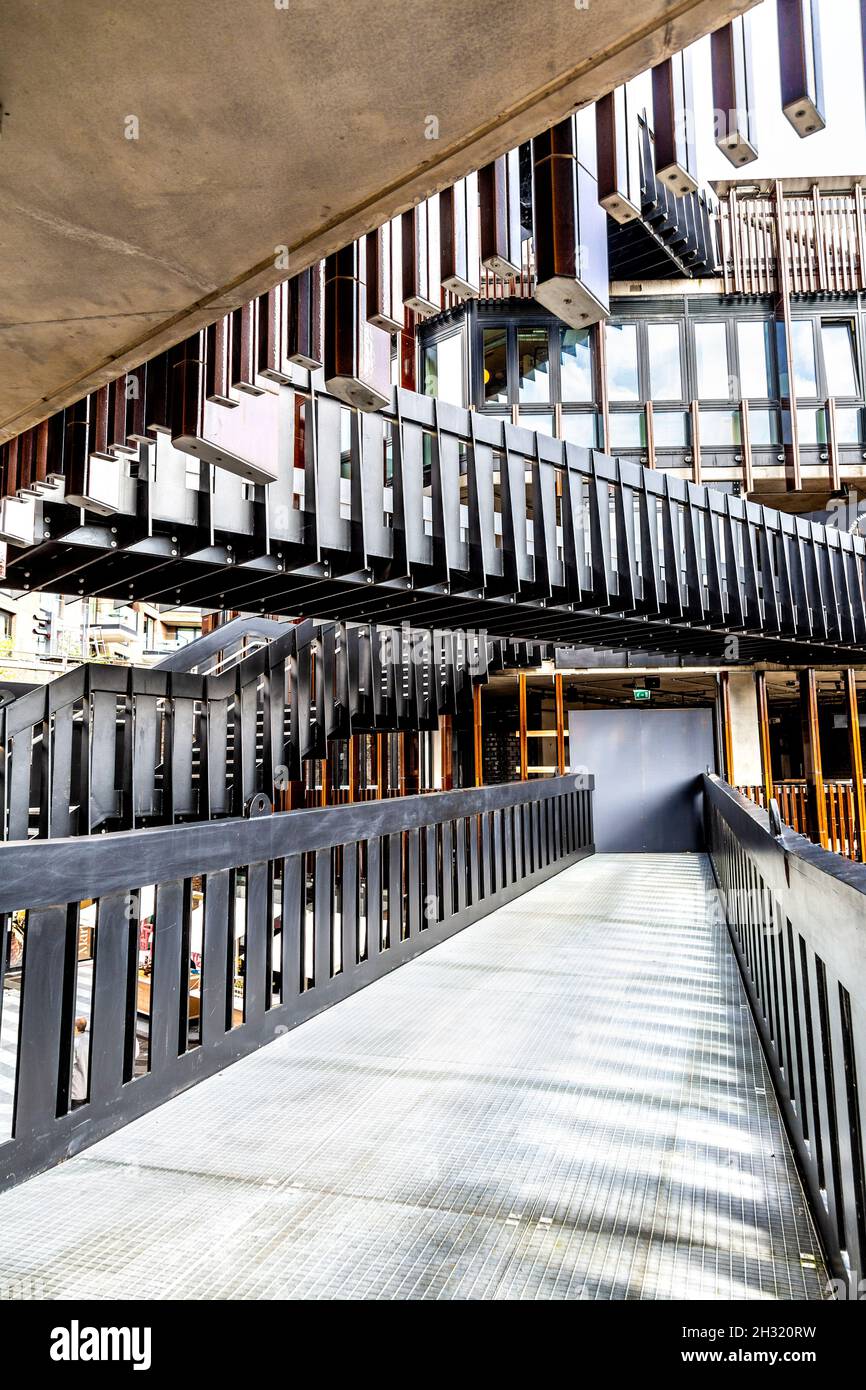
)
(567, 1100)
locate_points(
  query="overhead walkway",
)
(568, 1099)
(431, 515)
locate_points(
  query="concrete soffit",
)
(111, 260)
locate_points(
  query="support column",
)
(727, 737)
(764, 735)
(478, 742)
(521, 729)
(856, 758)
(560, 724)
(741, 729)
(816, 806)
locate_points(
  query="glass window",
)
(495, 366)
(720, 429)
(443, 369)
(541, 422)
(579, 428)
(628, 429)
(812, 427)
(753, 344)
(803, 345)
(837, 340)
(848, 427)
(711, 353)
(533, 365)
(663, 343)
(670, 429)
(763, 427)
(575, 365)
(622, 374)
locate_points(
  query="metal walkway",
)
(566, 1100)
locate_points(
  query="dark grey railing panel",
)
(201, 652)
(324, 870)
(797, 918)
(117, 747)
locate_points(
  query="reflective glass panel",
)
(579, 428)
(663, 343)
(627, 429)
(495, 366)
(849, 428)
(720, 429)
(812, 427)
(837, 341)
(622, 373)
(763, 427)
(803, 344)
(670, 429)
(533, 365)
(530, 421)
(753, 344)
(711, 353)
(575, 365)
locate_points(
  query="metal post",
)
(560, 724)
(856, 756)
(727, 734)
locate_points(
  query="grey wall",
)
(647, 765)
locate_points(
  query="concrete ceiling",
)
(260, 124)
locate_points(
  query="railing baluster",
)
(431, 907)
(168, 969)
(374, 897)
(110, 997)
(472, 828)
(349, 909)
(216, 988)
(413, 883)
(43, 1016)
(322, 919)
(256, 963)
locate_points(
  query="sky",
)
(840, 148)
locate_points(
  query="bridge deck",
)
(567, 1100)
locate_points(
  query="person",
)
(80, 1060)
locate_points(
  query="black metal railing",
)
(115, 748)
(797, 918)
(185, 948)
(431, 514)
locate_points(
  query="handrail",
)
(797, 918)
(793, 795)
(212, 939)
(193, 655)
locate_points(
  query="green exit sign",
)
(642, 694)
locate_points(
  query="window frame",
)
(450, 329)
